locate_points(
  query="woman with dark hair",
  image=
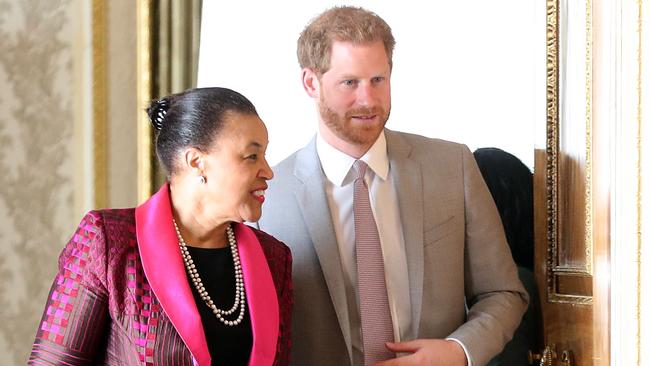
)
(179, 280)
(511, 184)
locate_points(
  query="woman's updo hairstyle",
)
(193, 118)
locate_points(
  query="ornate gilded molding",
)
(144, 93)
(589, 242)
(99, 103)
(552, 76)
(553, 268)
(639, 170)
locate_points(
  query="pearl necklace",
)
(240, 294)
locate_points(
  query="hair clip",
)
(162, 105)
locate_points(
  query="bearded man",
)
(400, 257)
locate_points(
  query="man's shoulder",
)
(301, 164)
(284, 174)
(288, 174)
(423, 144)
(288, 164)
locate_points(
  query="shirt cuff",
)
(469, 360)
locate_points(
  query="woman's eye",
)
(252, 157)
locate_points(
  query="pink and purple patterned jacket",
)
(121, 296)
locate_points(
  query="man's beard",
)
(343, 128)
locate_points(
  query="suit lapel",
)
(407, 175)
(261, 296)
(312, 200)
(165, 271)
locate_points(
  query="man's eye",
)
(377, 79)
(252, 157)
(349, 82)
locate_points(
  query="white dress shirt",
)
(339, 189)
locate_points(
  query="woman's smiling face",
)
(236, 169)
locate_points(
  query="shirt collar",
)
(336, 164)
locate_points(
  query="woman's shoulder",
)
(278, 256)
(102, 239)
(117, 215)
(109, 218)
(115, 225)
(270, 244)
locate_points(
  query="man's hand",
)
(427, 352)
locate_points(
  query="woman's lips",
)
(259, 195)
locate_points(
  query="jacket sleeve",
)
(74, 324)
(285, 302)
(496, 299)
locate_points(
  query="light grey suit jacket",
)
(456, 251)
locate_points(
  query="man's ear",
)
(311, 83)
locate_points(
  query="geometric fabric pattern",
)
(102, 310)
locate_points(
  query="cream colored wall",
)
(625, 63)
(121, 107)
(46, 144)
(36, 130)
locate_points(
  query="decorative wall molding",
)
(556, 271)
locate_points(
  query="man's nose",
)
(366, 94)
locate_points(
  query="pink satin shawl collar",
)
(165, 271)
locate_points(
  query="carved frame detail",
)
(553, 269)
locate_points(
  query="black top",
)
(228, 345)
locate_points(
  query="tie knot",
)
(359, 169)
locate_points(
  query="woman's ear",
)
(193, 160)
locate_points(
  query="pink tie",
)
(376, 323)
